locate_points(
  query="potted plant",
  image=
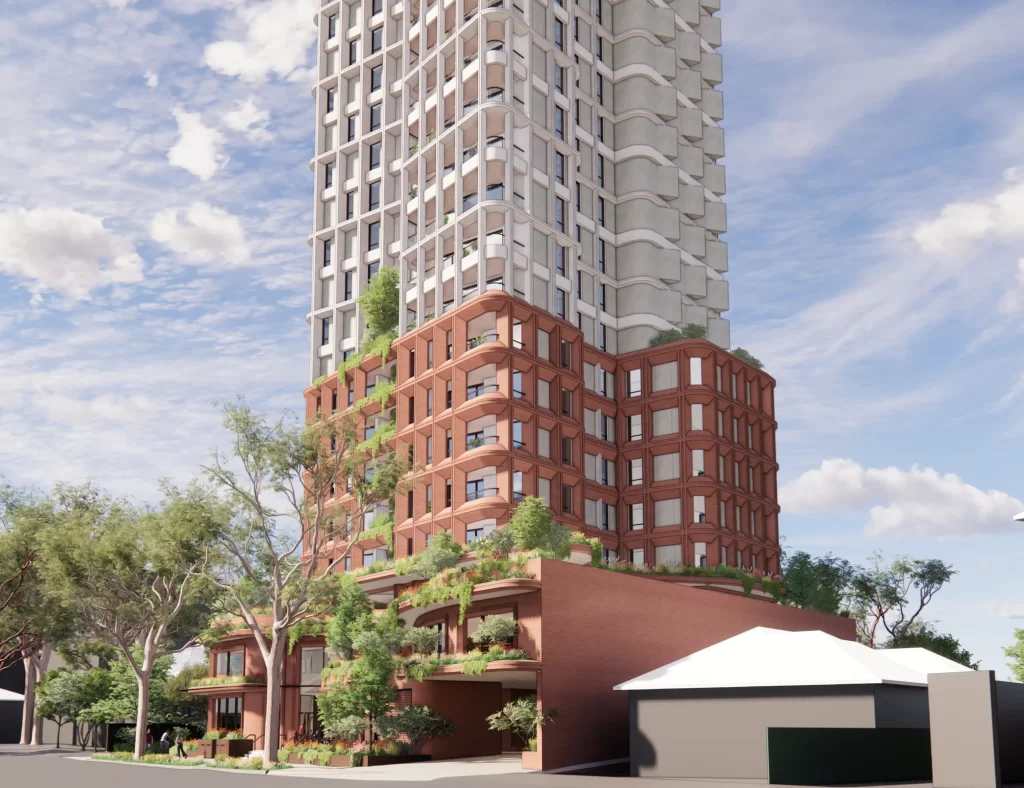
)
(417, 724)
(235, 745)
(522, 717)
(192, 748)
(208, 744)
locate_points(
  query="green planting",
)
(459, 582)
(743, 355)
(225, 681)
(419, 667)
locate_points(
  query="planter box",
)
(208, 748)
(294, 757)
(235, 748)
(388, 760)
(340, 761)
(193, 753)
(531, 760)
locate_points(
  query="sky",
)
(155, 198)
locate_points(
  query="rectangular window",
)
(328, 175)
(600, 211)
(228, 713)
(667, 511)
(560, 214)
(721, 514)
(700, 554)
(748, 391)
(325, 331)
(600, 170)
(600, 89)
(750, 436)
(374, 156)
(377, 39)
(636, 471)
(376, 77)
(332, 25)
(566, 354)
(566, 402)
(230, 663)
(374, 196)
(412, 410)
(559, 35)
(331, 95)
(734, 385)
(566, 450)
(375, 116)
(636, 556)
(600, 129)
(666, 466)
(430, 354)
(560, 123)
(736, 430)
(698, 462)
(602, 337)
(376, 6)
(560, 79)
(560, 303)
(696, 372)
(448, 395)
(430, 449)
(517, 434)
(736, 474)
(665, 422)
(738, 519)
(636, 516)
(448, 443)
(750, 479)
(753, 523)
(430, 402)
(634, 427)
(718, 378)
(408, 504)
(517, 486)
(560, 259)
(567, 498)
(560, 168)
(668, 555)
(579, 195)
(348, 285)
(696, 416)
(517, 384)
(350, 205)
(373, 236)
(353, 52)
(447, 493)
(543, 443)
(600, 49)
(328, 249)
(721, 424)
(633, 389)
(600, 256)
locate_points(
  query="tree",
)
(534, 528)
(893, 596)
(495, 630)
(380, 307)
(924, 635)
(19, 564)
(184, 708)
(287, 534)
(136, 576)
(744, 355)
(416, 723)
(521, 717)
(1015, 653)
(821, 584)
(169, 701)
(66, 695)
(500, 544)
(442, 553)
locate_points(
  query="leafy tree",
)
(923, 635)
(135, 576)
(500, 544)
(821, 584)
(521, 717)
(66, 695)
(380, 305)
(416, 723)
(283, 506)
(533, 528)
(192, 708)
(495, 630)
(422, 640)
(442, 553)
(744, 355)
(892, 596)
(1015, 653)
(666, 337)
(352, 611)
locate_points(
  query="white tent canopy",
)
(764, 657)
(12, 696)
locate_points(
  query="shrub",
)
(521, 717)
(416, 723)
(212, 734)
(495, 630)
(533, 528)
(256, 763)
(690, 331)
(498, 544)
(126, 735)
(235, 735)
(443, 553)
(380, 305)
(744, 355)
(422, 640)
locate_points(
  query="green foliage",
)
(533, 528)
(442, 553)
(151, 758)
(821, 584)
(1015, 654)
(924, 636)
(495, 630)
(383, 528)
(65, 696)
(319, 380)
(744, 355)
(750, 581)
(417, 723)
(690, 331)
(352, 613)
(381, 394)
(521, 717)
(458, 582)
(381, 437)
(422, 640)
(380, 305)
(596, 548)
(308, 627)
(499, 543)
(419, 667)
(226, 681)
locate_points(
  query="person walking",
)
(179, 741)
(149, 739)
(165, 741)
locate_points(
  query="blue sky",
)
(155, 199)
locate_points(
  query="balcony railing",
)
(472, 392)
(483, 339)
(474, 493)
(475, 440)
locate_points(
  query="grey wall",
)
(723, 733)
(960, 709)
(1010, 733)
(901, 707)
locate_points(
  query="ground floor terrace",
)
(581, 630)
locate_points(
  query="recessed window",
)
(636, 516)
(566, 450)
(325, 331)
(376, 39)
(374, 195)
(351, 127)
(376, 77)
(560, 79)
(636, 556)
(350, 205)
(600, 49)
(567, 498)
(636, 471)
(600, 210)
(376, 6)
(353, 52)
(600, 89)
(600, 256)
(330, 99)
(375, 117)
(600, 129)
(560, 34)
(566, 354)
(374, 155)
(348, 285)
(373, 236)
(560, 123)
(332, 25)
(633, 383)
(328, 250)
(560, 168)
(634, 427)
(560, 259)
(602, 336)
(699, 509)
(560, 214)
(560, 299)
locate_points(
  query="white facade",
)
(563, 152)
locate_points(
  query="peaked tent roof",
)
(764, 657)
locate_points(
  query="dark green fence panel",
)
(848, 756)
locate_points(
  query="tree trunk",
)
(272, 715)
(59, 726)
(142, 713)
(37, 721)
(28, 711)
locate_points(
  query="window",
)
(517, 486)
(447, 493)
(430, 449)
(332, 25)
(560, 214)
(736, 474)
(753, 523)
(353, 52)
(747, 384)
(560, 79)
(699, 511)
(668, 555)
(600, 49)
(374, 196)
(566, 354)
(375, 116)
(376, 77)
(566, 402)
(600, 129)
(600, 89)
(636, 516)
(374, 156)
(350, 205)
(412, 410)
(560, 303)
(560, 35)
(634, 427)
(430, 354)
(376, 6)
(325, 331)
(665, 422)
(602, 337)
(230, 663)
(718, 378)
(700, 554)
(738, 519)
(430, 498)
(600, 170)
(448, 395)
(696, 373)
(330, 99)
(560, 168)
(600, 256)
(408, 504)
(636, 556)
(328, 249)
(560, 123)
(376, 39)
(750, 479)
(448, 443)
(566, 450)
(517, 384)
(721, 515)
(517, 434)
(736, 430)
(543, 443)
(633, 383)
(597, 10)
(666, 466)
(543, 344)
(430, 402)
(696, 416)
(228, 713)
(665, 377)
(723, 557)
(721, 423)
(579, 195)
(351, 127)
(567, 498)
(734, 385)
(348, 285)
(721, 468)
(373, 236)
(636, 471)
(328, 175)
(698, 462)
(560, 259)
(334, 402)
(750, 436)
(667, 511)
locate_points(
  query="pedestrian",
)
(179, 740)
(165, 741)
(149, 739)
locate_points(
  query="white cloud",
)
(1001, 216)
(1007, 610)
(277, 39)
(65, 250)
(198, 148)
(203, 234)
(249, 118)
(152, 79)
(919, 502)
(1013, 299)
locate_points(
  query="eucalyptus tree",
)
(289, 531)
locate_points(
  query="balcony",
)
(482, 339)
(475, 440)
(479, 389)
(476, 490)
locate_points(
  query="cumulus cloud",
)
(201, 234)
(152, 79)
(65, 250)
(918, 502)
(199, 147)
(958, 224)
(249, 118)
(277, 40)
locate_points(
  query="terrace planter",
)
(340, 761)
(235, 748)
(294, 757)
(208, 748)
(193, 753)
(388, 760)
(531, 760)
